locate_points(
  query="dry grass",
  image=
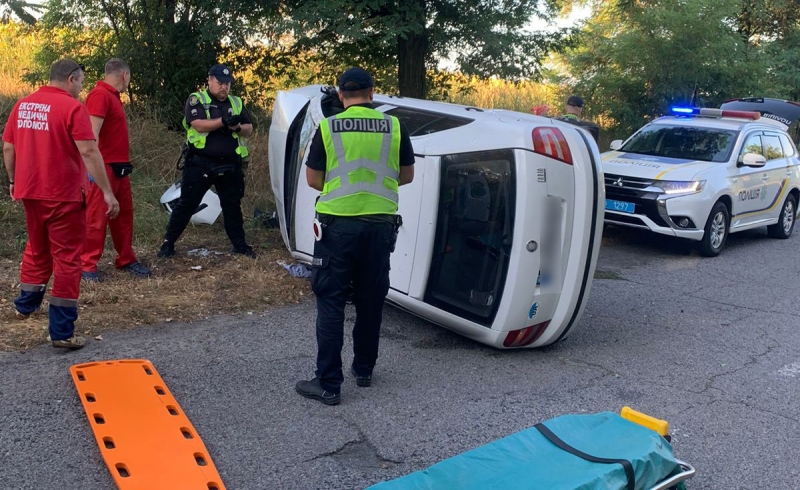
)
(226, 284)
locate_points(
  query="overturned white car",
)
(501, 225)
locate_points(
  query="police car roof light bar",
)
(708, 112)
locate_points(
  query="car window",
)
(424, 122)
(788, 147)
(686, 142)
(753, 145)
(772, 146)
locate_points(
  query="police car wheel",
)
(785, 225)
(716, 231)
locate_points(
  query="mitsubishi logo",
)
(618, 182)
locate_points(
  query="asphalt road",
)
(711, 345)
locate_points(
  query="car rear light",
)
(525, 336)
(550, 142)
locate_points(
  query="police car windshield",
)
(685, 142)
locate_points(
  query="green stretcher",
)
(602, 451)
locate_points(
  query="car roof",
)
(730, 123)
(782, 110)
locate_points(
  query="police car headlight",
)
(675, 187)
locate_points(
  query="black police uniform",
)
(353, 253)
(216, 164)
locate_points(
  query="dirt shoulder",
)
(182, 288)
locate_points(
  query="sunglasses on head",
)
(80, 67)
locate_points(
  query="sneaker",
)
(246, 250)
(73, 343)
(90, 276)
(137, 269)
(312, 389)
(167, 249)
(24, 316)
(363, 381)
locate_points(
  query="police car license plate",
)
(621, 206)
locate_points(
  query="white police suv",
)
(702, 174)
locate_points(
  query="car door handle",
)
(765, 177)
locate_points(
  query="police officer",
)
(216, 123)
(573, 113)
(357, 160)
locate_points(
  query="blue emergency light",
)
(709, 112)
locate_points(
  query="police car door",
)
(748, 183)
(775, 176)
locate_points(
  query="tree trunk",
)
(411, 53)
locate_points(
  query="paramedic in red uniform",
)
(48, 148)
(111, 132)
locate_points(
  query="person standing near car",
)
(573, 114)
(357, 159)
(48, 146)
(110, 128)
(216, 123)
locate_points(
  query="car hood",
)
(652, 167)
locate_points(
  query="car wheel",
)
(785, 225)
(716, 231)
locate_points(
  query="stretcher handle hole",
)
(109, 443)
(187, 433)
(213, 486)
(80, 375)
(172, 410)
(160, 390)
(98, 418)
(148, 371)
(200, 459)
(122, 470)
(90, 398)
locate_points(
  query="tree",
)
(20, 8)
(636, 58)
(169, 44)
(403, 41)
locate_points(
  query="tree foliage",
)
(169, 44)
(405, 41)
(635, 58)
(23, 10)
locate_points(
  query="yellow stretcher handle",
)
(652, 423)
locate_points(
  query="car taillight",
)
(525, 336)
(549, 141)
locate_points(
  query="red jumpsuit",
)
(103, 101)
(49, 179)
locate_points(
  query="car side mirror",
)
(616, 144)
(753, 160)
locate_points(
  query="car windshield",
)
(691, 143)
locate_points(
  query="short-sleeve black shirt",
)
(219, 143)
(317, 158)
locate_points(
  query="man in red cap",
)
(48, 147)
(111, 131)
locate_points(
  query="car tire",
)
(785, 225)
(716, 231)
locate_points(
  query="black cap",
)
(574, 100)
(355, 79)
(221, 72)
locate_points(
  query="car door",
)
(747, 183)
(775, 176)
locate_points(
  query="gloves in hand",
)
(231, 120)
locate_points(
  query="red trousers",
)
(55, 241)
(121, 227)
